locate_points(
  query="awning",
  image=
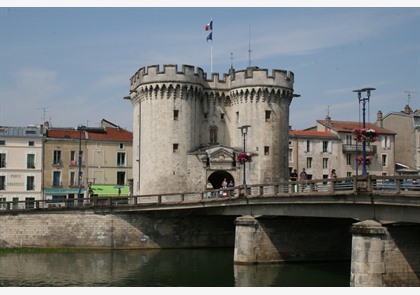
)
(49, 191)
(110, 190)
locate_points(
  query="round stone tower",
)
(185, 127)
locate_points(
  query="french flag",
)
(209, 26)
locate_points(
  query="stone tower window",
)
(213, 134)
(176, 113)
(222, 116)
(237, 117)
(175, 147)
(267, 116)
(266, 150)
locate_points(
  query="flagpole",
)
(211, 57)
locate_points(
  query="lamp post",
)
(81, 128)
(363, 101)
(244, 132)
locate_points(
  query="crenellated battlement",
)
(250, 77)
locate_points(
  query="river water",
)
(162, 268)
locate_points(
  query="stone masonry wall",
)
(122, 231)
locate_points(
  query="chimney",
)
(407, 109)
(379, 121)
(328, 120)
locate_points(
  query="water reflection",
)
(160, 268)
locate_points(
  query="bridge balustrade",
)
(371, 184)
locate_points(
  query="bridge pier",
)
(245, 240)
(385, 256)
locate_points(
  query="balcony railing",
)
(352, 148)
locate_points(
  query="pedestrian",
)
(333, 174)
(224, 185)
(303, 176)
(231, 185)
(294, 177)
(209, 187)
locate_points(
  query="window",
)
(349, 160)
(325, 163)
(348, 174)
(56, 178)
(176, 114)
(349, 139)
(30, 183)
(30, 203)
(120, 178)
(309, 162)
(308, 146)
(73, 161)
(2, 160)
(2, 142)
(57, 157)
(15, 203)
(324, 146)
(175, 148)
(237, 117)
(2, 182)
(30, 161)
(267, 116)
(266, 150)
(222, 116)
(2, 205)
(121, 146)
(384, 160)
(31, 143)
(205, 116)
(290, 154)
(386, 142)
(72, 178)
(213, 134)
(120, 159)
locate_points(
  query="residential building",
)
(406, 125)
(316, 151)
(84, 157)
(21, 165)
(331, 145)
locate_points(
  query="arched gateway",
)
(186, 127)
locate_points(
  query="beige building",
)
(76, 159)
(21, 165)
(406, 124)
(331, 145)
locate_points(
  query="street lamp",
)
(81, 128)
(363, 101)
(244, 131)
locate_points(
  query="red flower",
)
(244, 157)
(365, 135)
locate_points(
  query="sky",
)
(72, 65)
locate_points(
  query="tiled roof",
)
(109, 134)
(348, 126)
(311, 133)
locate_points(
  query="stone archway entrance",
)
(217, 177)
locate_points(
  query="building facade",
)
(406, 124)
(21, 161)
(187, 128)
(79, 160)
(318, 152)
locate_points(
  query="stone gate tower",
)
(185, 127)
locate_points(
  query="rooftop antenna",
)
(44, 111)
(249, 48)
(409, 96)
(328, 110)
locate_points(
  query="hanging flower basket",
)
(365, 135)
(244, 157)
(359, 160)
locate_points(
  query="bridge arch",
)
(217, 177)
